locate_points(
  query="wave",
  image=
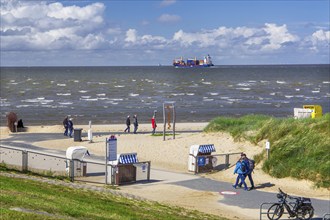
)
(133, 94)
(280, 82)
(61, 84)
(63, 94)
(245, 89)
(82, 91)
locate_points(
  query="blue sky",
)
(106, 33)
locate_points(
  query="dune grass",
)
(31, 199)
(299, 148)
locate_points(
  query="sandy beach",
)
(172, 155)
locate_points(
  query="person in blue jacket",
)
(241, 169)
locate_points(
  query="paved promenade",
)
(243, 200)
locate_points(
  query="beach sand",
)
(172, 155)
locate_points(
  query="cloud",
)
(131, 36)
(169, 18)
(44, 26)
(268, 38)
(166, 3)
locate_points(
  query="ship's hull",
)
(192, 66)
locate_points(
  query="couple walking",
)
(128, 124)
(68, 126)
(244, 168)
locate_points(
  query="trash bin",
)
(77, 134)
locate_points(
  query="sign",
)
(267, 145)
(112, 148)
(201, 161)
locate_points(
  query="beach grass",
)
(33, 199)
(299, 148)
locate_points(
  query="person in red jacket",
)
(153, 124)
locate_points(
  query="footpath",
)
(185, 189)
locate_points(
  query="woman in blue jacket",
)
(241, 169)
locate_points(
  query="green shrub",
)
(299, 148)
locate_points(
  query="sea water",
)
(106, 95)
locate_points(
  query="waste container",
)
(200, 158)
(77, 134)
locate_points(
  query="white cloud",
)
(166, 3)
(43, 26)
(169, 18)
(277, 36)
(131, 36)
(321, 36)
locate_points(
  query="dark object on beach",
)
(11, 119)
(20, 124)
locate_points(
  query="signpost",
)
(110, 153)
(267, 148)
(168, 114)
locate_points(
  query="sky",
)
(138, 33)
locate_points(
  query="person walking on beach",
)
(70, 127)
(248, 174)
(153, 124)
(241, 169)
(136, 124)
(128, 124)
(65, 124)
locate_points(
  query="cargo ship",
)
(206, 62)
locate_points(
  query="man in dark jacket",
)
(136, 124)
(65, 124)
(128, 124)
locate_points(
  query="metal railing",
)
(221, 162)
(326, 216)
(88, 170)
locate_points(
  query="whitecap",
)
(133, 94)
(65, 103)
(272, 93)
(83, 91)
(245, 89)
(23, 106)
(297, 89)
(101, 94)
(35, 83)
(316, 91)
(288, 96)
(280, 82)
(224, 97)
(190, 94)
(63, 94)
(119, 86)
(213, 93)
(207, 83)
(177, 94)
(117, 99)
(61, 84)
(89, 100)
(102, 83)
(76, 81)
(243, 84)
(208, 100)
(85, 97)
(326, 82)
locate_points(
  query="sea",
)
(106, 95)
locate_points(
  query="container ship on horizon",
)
(206, 62)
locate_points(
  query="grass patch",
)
(299, 148)
(60, 202)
